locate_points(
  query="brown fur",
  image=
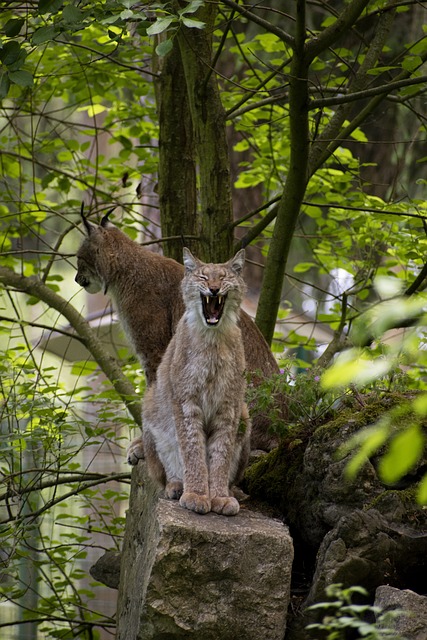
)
(191, 413)
(146, 291)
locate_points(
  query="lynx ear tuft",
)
(105, 221)
(238, 262)
(190, 262)
(88, 225)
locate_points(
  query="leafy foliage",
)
(342, 615)
(80, 97)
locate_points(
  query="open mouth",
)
(213, 306)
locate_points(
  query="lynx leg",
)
(195, 496)
(154, 465)
(243, 446)
(173, 489)
(135, 451)
(221, 449)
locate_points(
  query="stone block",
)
(208, 577)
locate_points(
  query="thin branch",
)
(250, 215)
(255, 231)
(280, 97)
(413, 288)
(51, 503)
(82, 479)
(39, 620)
(272, 28)
(366, 93)
(38, 325)
(33, 286)
(331, 34)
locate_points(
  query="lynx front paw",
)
(135, 452)
(195, 502)
(225, 505)
(173, 490)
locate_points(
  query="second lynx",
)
(194, 441)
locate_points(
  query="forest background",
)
(294, 129)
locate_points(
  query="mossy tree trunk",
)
(177, 163)
(193, 141)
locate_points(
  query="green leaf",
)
(404, 452)
(49, 6)
(192, 7)
(71, 14)
(368, 440)
(422, 491)
(13, 27)
(44, 34)
(84, 367)
(160, 25)
(22, 78)
(193, 24)
(10, 52)
(411, 62)
(302, 267)
(420, 404)
(4, 85)
(354, 367)
(165, 47)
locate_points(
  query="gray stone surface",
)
(413, 625)
(364, 548)
(208, 577)
(107, 569)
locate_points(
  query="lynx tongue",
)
(213, 307)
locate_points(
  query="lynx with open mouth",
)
(213, 307)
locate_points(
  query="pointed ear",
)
(105, 221)
(88, 225)
(238, 262)
(190, 262)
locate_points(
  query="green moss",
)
(373, 408)
(267, 478)
(272, 478)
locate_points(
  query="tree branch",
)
(272, 28)
(320, 149)
(366, 93)
(81, 479)
(331, 34)
(51, 503)
(33, 286)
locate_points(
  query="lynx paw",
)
(195, 502)
(135, 452)
(225, 505)
(173, 490)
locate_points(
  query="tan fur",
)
(192, 411)
(146, 291)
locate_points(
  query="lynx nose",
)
(214, 290)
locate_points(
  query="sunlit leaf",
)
(160, 25)
(404, 452)
(355, 367)
(165, 47)
(422, 491)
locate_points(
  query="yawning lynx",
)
(192, 440)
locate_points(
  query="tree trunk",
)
(177, 163)
(208, 118)
(293, 193)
